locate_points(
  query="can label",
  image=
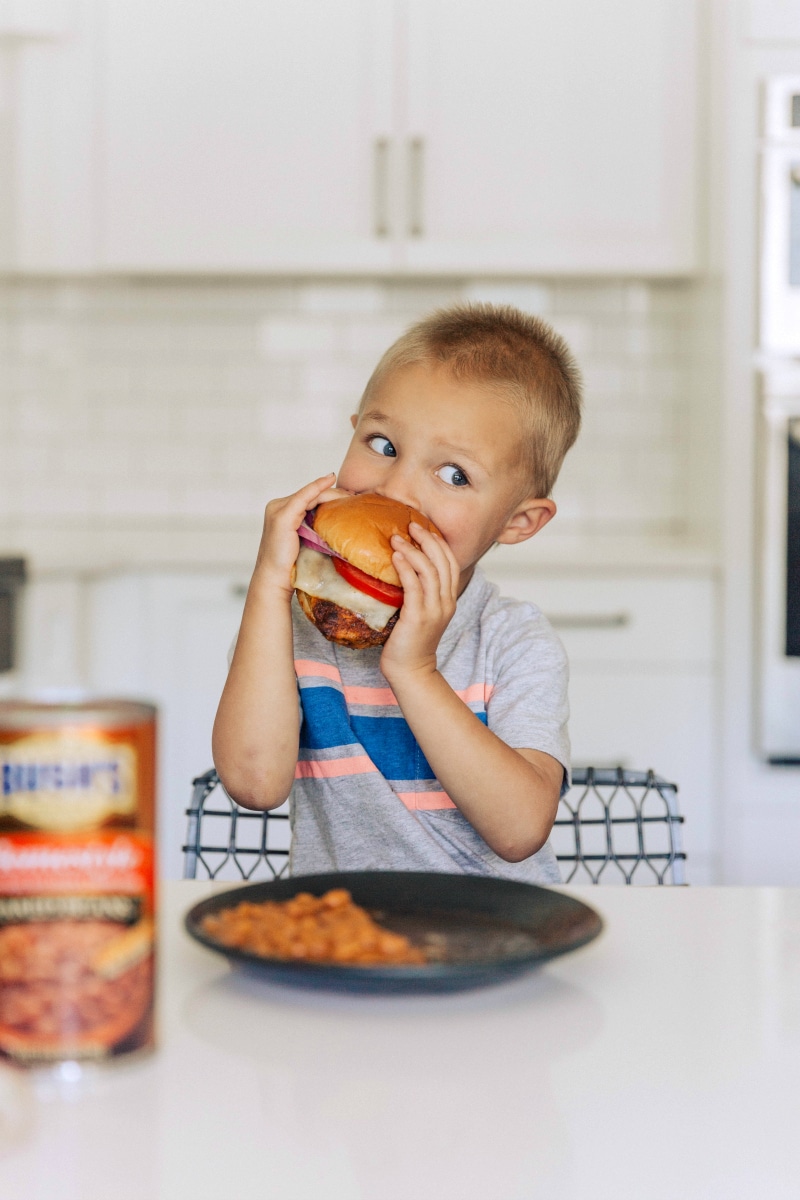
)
(69, 782)
(77, 886)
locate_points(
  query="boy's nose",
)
(404, 495)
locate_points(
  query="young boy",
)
(447, 748)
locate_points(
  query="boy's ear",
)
(354, 420)
(528, 519)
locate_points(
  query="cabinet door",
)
(660, 721)
(642, 690)
(552, 136)
(47, 119)
(245, 136)
(165, 637)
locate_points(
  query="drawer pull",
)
(616, 620)
(238, 591)
(416, 185)
(380, 187)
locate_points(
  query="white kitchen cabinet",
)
(413, 135)
(164, 636)
(643, 683)
(48, 116)
(556, 136)
(244, 137)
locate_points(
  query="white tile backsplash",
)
(125, 402)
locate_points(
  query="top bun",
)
(359, 528)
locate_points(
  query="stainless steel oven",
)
(779, 723)
(780, 217)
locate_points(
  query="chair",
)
(613, 826)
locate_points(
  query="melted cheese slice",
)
(316, 575)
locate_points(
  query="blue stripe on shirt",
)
(387, 740)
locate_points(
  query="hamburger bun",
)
(357, 529)
(360, 528)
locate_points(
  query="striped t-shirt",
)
(364, 796)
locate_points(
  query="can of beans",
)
(77, 879)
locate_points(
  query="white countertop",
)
(661, 1061)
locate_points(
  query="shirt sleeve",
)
(528, 707)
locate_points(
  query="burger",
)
(345, 580)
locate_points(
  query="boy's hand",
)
(280, 544)
(430, 579)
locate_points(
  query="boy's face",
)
(450, 449)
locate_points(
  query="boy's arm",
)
(257, 726)
(509, 796)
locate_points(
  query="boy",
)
(447, 748)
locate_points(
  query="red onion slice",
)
(313, 540)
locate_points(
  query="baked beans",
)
(56, 988)
(329, 928)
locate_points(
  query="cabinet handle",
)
(238, 591)
(380, 187)
(616, 620)
(416, 183)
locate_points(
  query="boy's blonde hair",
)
(515, 352)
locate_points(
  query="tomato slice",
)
(387, 593)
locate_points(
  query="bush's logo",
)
(65, 782)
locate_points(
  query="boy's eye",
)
(382, 445)
(453, 475)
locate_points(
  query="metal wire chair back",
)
(613, 826)
(227, 841)
(619, 826)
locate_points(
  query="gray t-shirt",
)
(364, 796)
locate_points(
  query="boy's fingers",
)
(332, 493)
(427, 584)
(437, 549)
(314, 489)
(311, 495)
(409, 579)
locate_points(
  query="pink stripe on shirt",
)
(304, 667)
(475, 693)
(370, 695)
(426, 800)
(359, 764)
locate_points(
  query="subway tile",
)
(603, 380)
(171, 377)
(341, 380)
(299, 421)
(217, 501)
(576, 333)
(367, 340)
(95, 458)
(530, 297)
(586, 297)
(341, 299)
(136, 499)
(174, 460)
(222, 417)
(296, 337)
(37, 416)
(638, 299)
(47, 499)
(26, 459)
(122, 418)
(204, 398)
(417, 298)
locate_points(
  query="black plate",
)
(481, 930)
